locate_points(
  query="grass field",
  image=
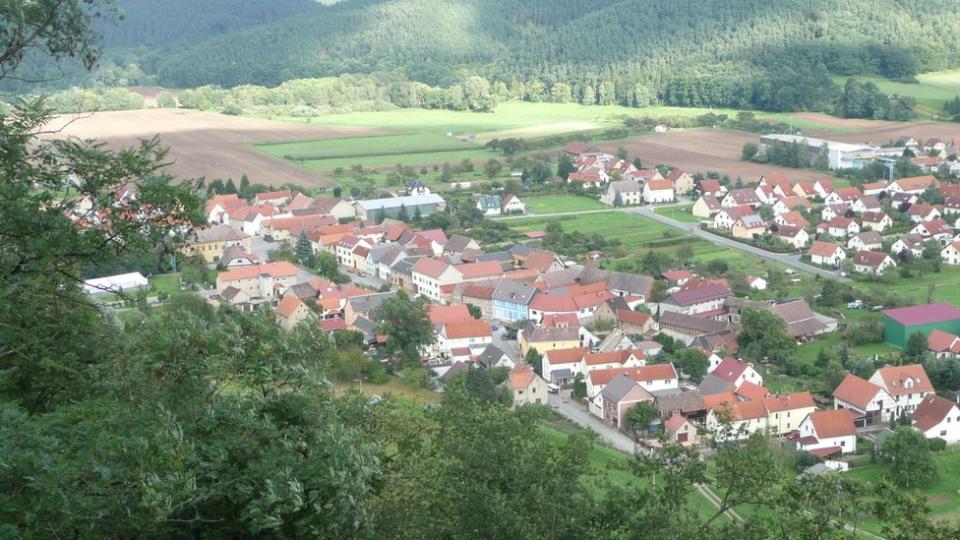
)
(395, 387)
(639, 235)
(360, 147)
(946, 286)
(930, 90)
(166, 283)
(561, 203)
(679, 213)
(942, 496)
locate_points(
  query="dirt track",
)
(206, 144)
(702, 150)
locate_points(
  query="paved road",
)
(564, 404)
(790, 260)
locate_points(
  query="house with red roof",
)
(786, 412)
(839, 227)
(826, 433)
(527, 386)
(711, 187)
(259, 281)
(681, 181)
(619, 396)
(939, 418)
(736, 372)
(652, 378)
(868, 402)
(562, 365)
(727, 216)
(291, 311)
(276, 198)
(658, 191)
(431, 276)
(843, 195)
(218, 207)
(914, 185)
(875, 221)
(872, 262)
(922, 212)
(733, 419)
(704, 301)
(943, 344)
(680, 430)
(741, 197)
(826, 254)
(472, 334)
(907, 385)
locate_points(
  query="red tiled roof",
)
(689, 297)
(940, 341)
(274, 269)
(796, 400)
(856, 391)
(565, 356)
(660, 185)
(931, 411)
(872, 259)
(730, 369)
(916, 182)
(288, 305)
(639, 374)
(521, 376)
(923, 314)
(448, 314)
(480, 269)
(675, 422)
(833, 423)
(467, 329)
(906, 379)
(633, 317)
(753, 392)
(560, 320)
(823, 249)
(431, 267)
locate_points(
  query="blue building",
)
(511, 300)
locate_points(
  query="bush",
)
(806, 460)
(937, 444)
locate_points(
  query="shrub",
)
(937, 444)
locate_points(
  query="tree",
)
(475, 311)
(407, 326)
(916, 347)
(565, 166)
(328, 267)
(579, 387)
(749, 151)
(402, 214)
(560, 93)
(165, 100)
(691, 362)
(640, 416)
(535, 360)
(764, 337)
(621, 153)
(908, 454)
(304, 249)
(492, 168)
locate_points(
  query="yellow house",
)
(211, 242)
(747, 226)
(291, 311)
(547, 339)
(706, 206)
(785, 413)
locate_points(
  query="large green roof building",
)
(901, 323)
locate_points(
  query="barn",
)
(900, 323)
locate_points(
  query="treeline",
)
(775, 55)
(79, 100)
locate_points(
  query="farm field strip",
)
(406, 143)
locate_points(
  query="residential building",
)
(260, 281)
(622, 193)
(869, 403)
(681, 181)
(211, 242)
(736, 372)
(951, 253)
(291, 311)
(658, 191)
(913, 185)
(786, 412)
(748, 227)
(680, 430)
(825, 433)
(872, 262)
(431, 276)
(907, 385)
(560, 366)
(512, 205)
(875, 221)
(490, 205)
(826, 254)
(511, 299)
(866, 241)
(548, 339)
(698, 301)
(706, 206)
(528, 387)
(620, 395)
(936, 417)
(472, 334)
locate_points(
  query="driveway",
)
(510, 347)
(564, 404)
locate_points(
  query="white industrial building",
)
(841, 155)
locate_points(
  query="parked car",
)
(856, 304)
(553, 389)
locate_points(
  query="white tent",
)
(121, 282)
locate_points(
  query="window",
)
(843, 443)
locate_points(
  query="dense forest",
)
(770, 55)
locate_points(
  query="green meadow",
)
(930, 90)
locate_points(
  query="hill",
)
(769, 54)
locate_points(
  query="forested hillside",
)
(143, 32)
(773, 54)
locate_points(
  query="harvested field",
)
(702, 150)
(882, 132)
(207, 144)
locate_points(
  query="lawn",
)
(679, 213)
(930, 90)
(396, 387)
(561, 203)
(359, 147)
(915, 290)
(942, 496)
(609, 465)
(639, 235)
(165, 283)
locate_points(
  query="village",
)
(604, 347)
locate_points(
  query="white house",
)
(869, 403)
(908, 385)
(875, 221)
(936, 417)
(826, 254)
(912, 243)
(869, 241)
(627, 191)
(473, 334)
(736, 372)
(951, 253)
(756, 283)
(872, 262)
(795, 236)
(562, 364)
(430, 276)
(658, 191)
(512, 204)
(527, 386)
(824, 433)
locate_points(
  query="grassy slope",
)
(930, 91)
